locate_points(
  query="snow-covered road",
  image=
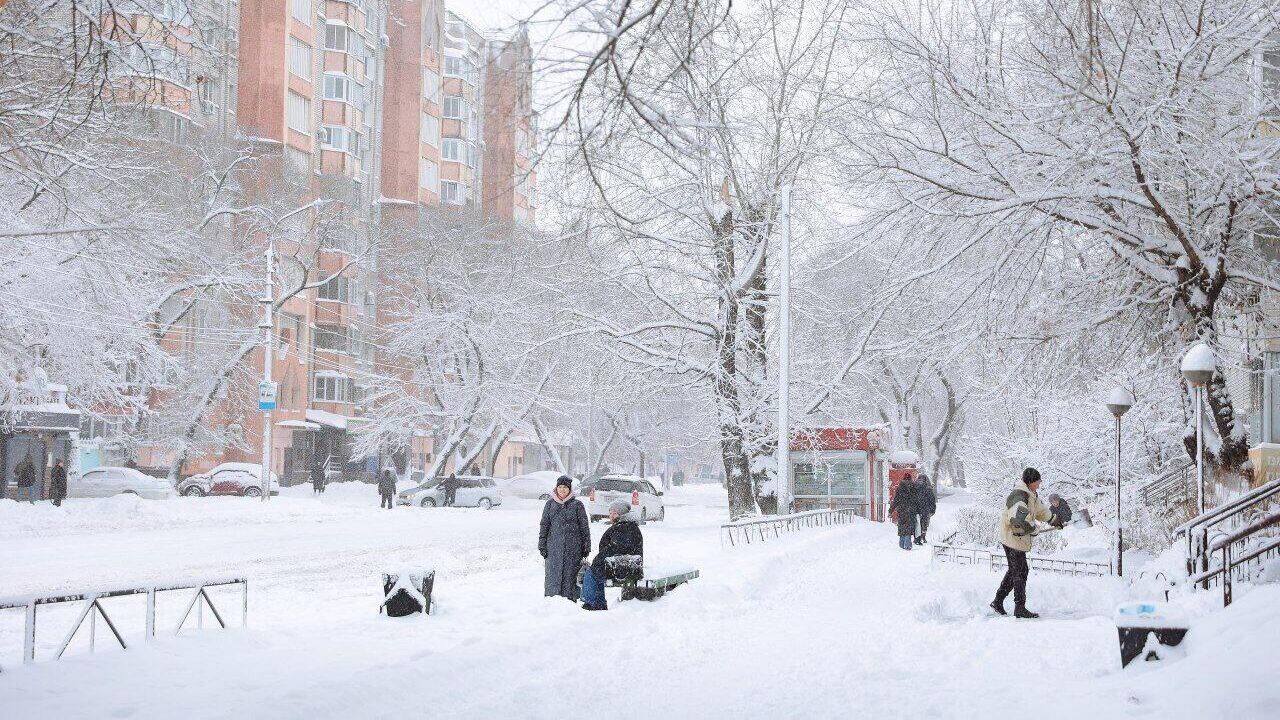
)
(828, 623)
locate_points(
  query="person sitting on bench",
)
(622, 538)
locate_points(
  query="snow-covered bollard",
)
(1149, 630)
(407, 591)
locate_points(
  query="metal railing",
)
(997, 561)
(748, 531)
(92, 609)
(1241, 552)
(1173, 487)
(1224, 519)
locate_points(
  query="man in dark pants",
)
(1022, 511)
(926, 506)
(387, 488)
(450, 487)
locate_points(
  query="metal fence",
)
(997, 561)
(92, 609)
(745, 532)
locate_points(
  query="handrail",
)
(1161, 485)
(1261, 492)
(92, 609)
(971, 556)
(1197, 529)
(743, 530)
(1227, 567)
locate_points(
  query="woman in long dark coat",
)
(564, 540)
(905, 507)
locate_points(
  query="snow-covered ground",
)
(826, 623)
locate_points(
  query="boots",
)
(1022, 612)
(998, 606)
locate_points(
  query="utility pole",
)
(267, 389)
(784, 360)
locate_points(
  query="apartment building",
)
(381, 105)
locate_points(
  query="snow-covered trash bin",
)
(407, 591)
(1149, 630)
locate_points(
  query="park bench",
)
(627, 572)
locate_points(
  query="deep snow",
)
(826, 623)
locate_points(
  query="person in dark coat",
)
(387, 488)
(905, 509)
(450, 488)
(58, 483)
(317, 478)
(564, 540)
(622, 538)
(25, 474)
(1060, 509)
(927, 505)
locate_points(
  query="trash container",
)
(406, 592)
(1149, 630)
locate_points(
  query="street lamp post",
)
(1198, 366)
(1119, 403)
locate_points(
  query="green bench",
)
(651, 587)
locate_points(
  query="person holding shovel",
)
(1018, 523)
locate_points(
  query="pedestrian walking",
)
(905, 509)
(622, 538)
(387, 488)
(25, 473)
(1022, 510)
(927, 505)
(450, 488)
(564, 540)
(58, 483)
(317, 479)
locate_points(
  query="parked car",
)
(106, 481)
(473, 491)
(645, 500)
(231, 478)
(533, 486)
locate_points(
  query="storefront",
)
(835, 468)
(38, 434)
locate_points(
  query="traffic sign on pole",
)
(267, 395)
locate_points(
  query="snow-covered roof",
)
(300, 424)
(333, 420)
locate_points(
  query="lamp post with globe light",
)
(1119, 403)
(1198, 366)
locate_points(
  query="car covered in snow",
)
(473, 491)
(105, 481)
(531, 486)
(232, 478)
(645, 500)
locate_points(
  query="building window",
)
(455, 66)
(299, 112)
(337, 288)
(430, 130)
(454, 107)
(205, 89)
(332, 337)
(453, 193)
(340, 138)
(339, 87)
(471, 155)
(299, 58)
(337, 37)
(332, 388)
(297, 161)
(301, 10)
(451, 149)
(429, 175)
(430, 85)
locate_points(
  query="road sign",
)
(267, 395)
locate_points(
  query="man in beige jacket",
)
(1018, 523)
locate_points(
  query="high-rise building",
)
(383, 106)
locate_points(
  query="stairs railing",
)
(1202, 531)
(1241, 553)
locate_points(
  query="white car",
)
(231, 478)
(532, 486)
(473, 491)
(645, 500)
(106, 481)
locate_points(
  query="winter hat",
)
(564, 480)
(619, 507)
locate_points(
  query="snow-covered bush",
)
(979, 525)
